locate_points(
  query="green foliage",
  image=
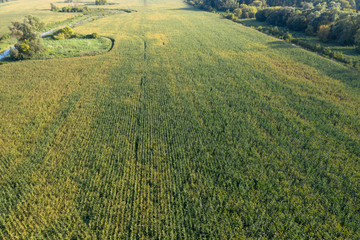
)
(28, 29)
(329, 24)
(27, 49)
(94, 35)
(233, 4)
(68, 9)
(24, 47)
(323, 33)
(64, 33)
(100, 2)
(357, 66)
(357, 39)
(244, 11)
(327, 51)
(74, 9)
(29, 40)
(288, 37)
(338, 56)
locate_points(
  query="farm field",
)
(16, 10)
(191, 127)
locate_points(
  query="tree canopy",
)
(27, 33)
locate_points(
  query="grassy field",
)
(192, 127)
(74, 47)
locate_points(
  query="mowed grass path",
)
(192, 127)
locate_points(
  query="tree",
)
(100, 2)
(28, 36)
(297, 22)
(323, 33)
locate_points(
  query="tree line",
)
(329, 24)
(335, 21)
(75, 8)
(223, 5)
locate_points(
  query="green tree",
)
(323, 33)
(28, 36)
(100, 2)
(357, 40)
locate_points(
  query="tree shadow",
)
(185, 9)
(329, 67)
(280, 44)
(93, 4)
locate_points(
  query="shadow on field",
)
(340, 71)
(93, 3)
(185, 9)
(279, 44)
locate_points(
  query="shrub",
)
(64, 33)
(93, 35)
(24, 47)
(288, 37)
(338, 55)
(248, 11)
(274, 31)
(59, 36)
(100, 2)
(69, 9)
(357, 66)
(238, 12)
(77, 35)
(66, 9)
(327, 51)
